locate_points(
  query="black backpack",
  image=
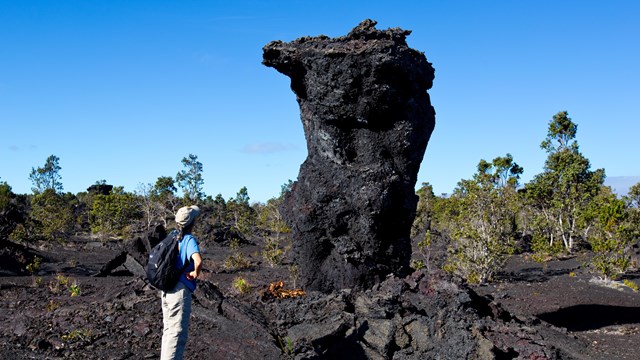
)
(162, 272)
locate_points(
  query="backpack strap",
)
(186, 261)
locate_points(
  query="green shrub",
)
(418, 264)
(294, 274)
(74, 289)
(236, 260)
(114, 213)
(272, 253)
(5, 195)
(34, 266)
(543, 250)
(483, 228)
(78, 335)
(423, 254)
(610, 258)
(52, 305)
(51, 216)
(610, 241)
(630, 284)
(477, 260)
(60, 281)
(19, 234)
(241, 285)
(286, 345)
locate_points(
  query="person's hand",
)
(192, 275)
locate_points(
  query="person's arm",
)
(197, 264)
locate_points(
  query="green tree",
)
(242, 196)
(421, 227)
(13, 214)
(150, 204)
(564, 189)
(7, 226)
(165, 187)
(47, 177)
(633, 197)
(5, 196)
(424, 210)
(190, 179)
(484, 227)
(271, 221)
(632, 201)
(164, 193)
(242, 216)
(114, 213)
(219, 209)
(286, 188)
(270, 218)
(609, 236)
(51, 215)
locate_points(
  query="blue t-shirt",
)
(188, 246)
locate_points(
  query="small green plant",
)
(78, 335)
(272, 253)
(34, 266)
(62, 280)
(630, 284)
(424, 251)
(294, 274)
(241, 285)
(19, 234)
(74, 289)
(286, 345)
(54, 287)
(418, 264)
(236, 260)
(59, 281)
(52, 305)
(541, 257)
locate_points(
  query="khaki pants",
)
(176, 310)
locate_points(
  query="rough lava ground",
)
(549, 310)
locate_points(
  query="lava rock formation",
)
(367, 119)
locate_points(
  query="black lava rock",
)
(367, 119)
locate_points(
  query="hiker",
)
(176, 303)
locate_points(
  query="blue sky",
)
(123, 90)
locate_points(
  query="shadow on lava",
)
(630, 275)
(592, 317)
(531, 275)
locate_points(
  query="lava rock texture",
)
(367, 119)
(418, 317)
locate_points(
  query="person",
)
(176, 303)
